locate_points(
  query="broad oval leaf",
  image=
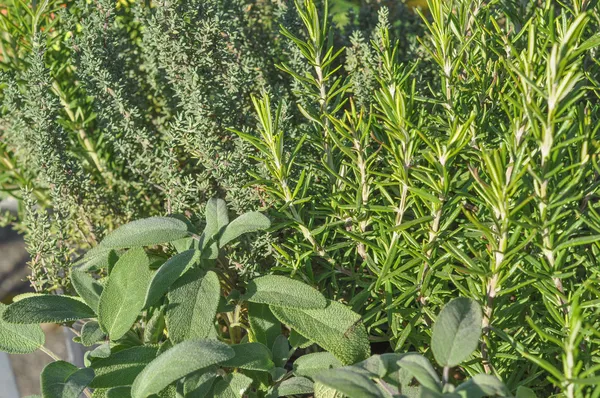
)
(123, 296)
(234, 385)
(312, 364)
(283, 292)
(456, 331)
(91, 333)
(122, 367)
(281, 351)
(119, 392)
(422, 370)
(336, 328)
(19, 339)
(87, 288)
(265, 327)
(294, 386)
(350, 383)
(168, 273)
(145, 232)
(482, 385)
(47, 308)
(193, 302)
(177, 362)
(217, 218)
(61, 379)
(247, 222)
(198, 384)
(251, 356)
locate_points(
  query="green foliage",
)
(185, 332)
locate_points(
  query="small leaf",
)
(247, 222)
(91, 333)
(168, 273)
(294, 386)
(283, 292)
(47, 308)
(19, 339)
(456, 331)
(145, 232)
(265, 327)
(123, 297)
(281, 351)
(482, 385)
(87, 288)
(198, 384)
(155, 326)
(336, 328)
(177, 362)
(122, 367)
(298, 341)
(524, 392)
(233, 385)
(217, 218)
(251, 356)
(312, 364)
(350, 383)
(61, 379)
(193, 302)
(422, 370)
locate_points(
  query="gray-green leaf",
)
(87, 288)
(47, 308)
(217, 218)
(456, 331)
(350, 383)
(91, 333)
(233, 385)
(177, 362)
(294, 386)
(281, 351)
(421, 369)
(122, 367)
(265, 327)
(251, 356)
(336, 328)
(145, 232)
(482, 385)
(198, 384)
(247, 222)
(123, 297)
(61, 379)
(19, 339)
(524, 392)
(312, 364)
(168, 273)
(193, 302)
(283, 292)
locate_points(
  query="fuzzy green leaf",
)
(19, 339)
(422, 370)
(217, 218)
(198, 384)
(47, 308)
(177, 362)
(482, 385)
(119, 392)
(145, 232)
(456, 331)
(123, 297)
(122, 367)
(91, 333)
(168, 273)
(312, 364)
(61, 379)
(281, 351)
(294, 386)
(247, 222)
(283, 292)
(87, 288)
(251, 356)
(233, 385)
(193, 302)
(524, 392)
(336, 328)
(265, 327)
(350, 383)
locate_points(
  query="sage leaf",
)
(524, 392)
(350, 383)
(198, 384)
(336, 328)
(456, 331)
(177, 362)
(281, 351)
(145, 232)
(294, 386)
(122, 367)
(265, 327)
(217, 218)
(61, 379)
(312, 364)
(119, 392)
(91, 333)
(123, 296)
(251, 356)
(47, 308)
(168, 273)
(482, 385)
(87, 288)
(247, 222)
(283, 292)
(193, 302)
(234, 385)
(323, 391)
(19, 339)
(422, 370)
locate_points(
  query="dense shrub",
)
(403, 163)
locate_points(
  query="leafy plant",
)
(177, 326)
